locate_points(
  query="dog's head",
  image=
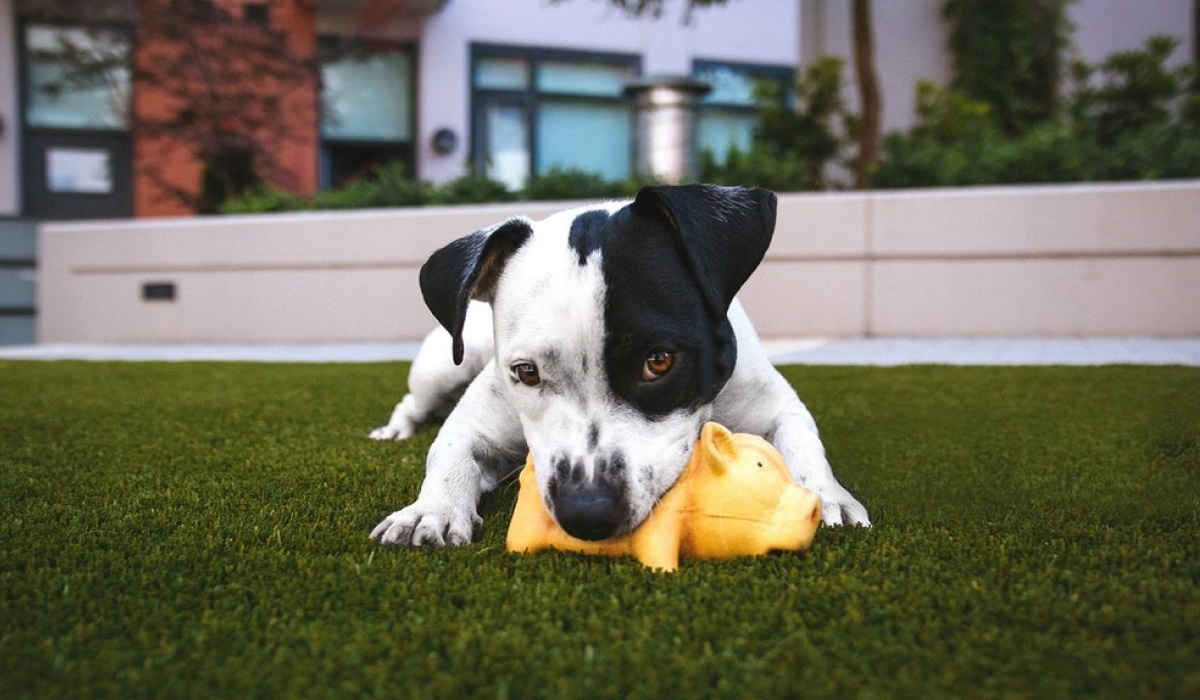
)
(611, 334)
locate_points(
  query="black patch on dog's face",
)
(654, 303)
(587, 233)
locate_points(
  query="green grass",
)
(199, 530)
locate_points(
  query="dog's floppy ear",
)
(724, 231)
(468, 269)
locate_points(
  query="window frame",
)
(530, 98)
(25, 87)
(403, 149)
(785, 74)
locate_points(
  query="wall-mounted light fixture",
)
(445, 141)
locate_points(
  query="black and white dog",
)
(612, 335)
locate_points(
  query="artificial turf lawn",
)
(199, 530)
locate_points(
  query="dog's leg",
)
(479, 444)
(795, 436)
(772, 409)
(434, 382)
(758, 399)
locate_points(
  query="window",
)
(367, 113)
(537, 110)
(76, 78)
(729, 113)
(79, 170)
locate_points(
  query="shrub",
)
(1159, 151)
(794, 144)
(391, 186)
(1010, 55)
(398, 189)
(474, 189)
(1130, 91)
(945, 147)
(572, 183)
(262, 200)
(1129, 118)
(809, 133)
(360, 194)
(755, 167)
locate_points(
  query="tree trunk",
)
(868, 93)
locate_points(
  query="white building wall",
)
(1105, 26)
(911, 41)
(747, 31)
(910, 45)
(10, 171)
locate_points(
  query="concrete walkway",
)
(880, 352)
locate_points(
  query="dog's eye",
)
(657, 364)
(526, 373)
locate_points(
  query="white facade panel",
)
(1103, 27)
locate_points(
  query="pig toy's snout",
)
(797, 518)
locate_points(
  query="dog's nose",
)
(589, 512)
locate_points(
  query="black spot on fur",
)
(672, 262)
(587, 233)
(613, 468)
(655, 303)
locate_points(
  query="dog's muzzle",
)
(589, 509)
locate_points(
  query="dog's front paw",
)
(838, 507)
(423, 524)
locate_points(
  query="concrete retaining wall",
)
(1086, 260)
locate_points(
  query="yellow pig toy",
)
(734, 498)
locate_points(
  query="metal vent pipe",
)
(666, 126)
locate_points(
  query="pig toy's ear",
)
(719, 447)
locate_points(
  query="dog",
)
(599, 340)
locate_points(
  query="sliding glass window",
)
(729, 113)
(367, 111)
(536, 110)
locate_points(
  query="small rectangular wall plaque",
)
(158, 291)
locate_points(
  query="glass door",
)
(78, 154)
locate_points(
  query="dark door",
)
(77, 156)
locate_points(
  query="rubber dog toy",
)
(734, 498)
